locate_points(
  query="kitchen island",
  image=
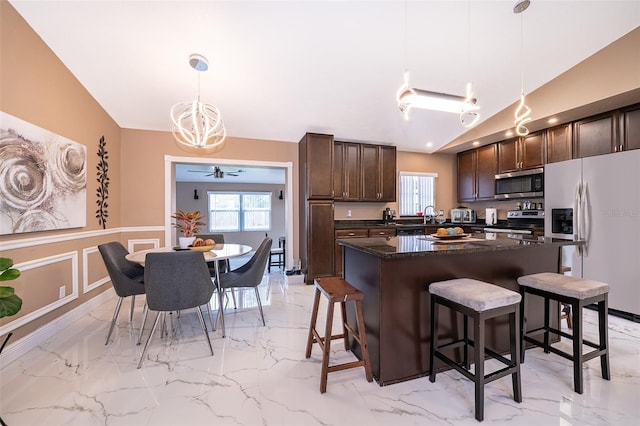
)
(395, 272)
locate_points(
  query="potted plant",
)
(187, 223)
(10, 303)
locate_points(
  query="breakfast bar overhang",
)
(394, 273)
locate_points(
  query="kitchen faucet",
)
(432, 217)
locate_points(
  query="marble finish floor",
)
(259, 376)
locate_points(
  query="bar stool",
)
(336, 289)
(280, 253)
(480, 301)
(577, 293)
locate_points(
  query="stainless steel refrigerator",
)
(597, 199)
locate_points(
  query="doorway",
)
(170, 190)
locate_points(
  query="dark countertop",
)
(419, 245)
(398, 224)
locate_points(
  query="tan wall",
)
(36, 87)
(143, 177)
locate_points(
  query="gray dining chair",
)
(126, 277)
(250, 274)
(175, 282)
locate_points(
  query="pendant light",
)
(523, 112)
(198, 127)
(469, 114)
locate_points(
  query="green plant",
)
(10, 303)
(188, 222)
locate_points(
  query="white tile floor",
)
(259, 376)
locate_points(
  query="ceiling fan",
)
(218, 172)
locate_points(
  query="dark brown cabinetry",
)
(559, 143)
(597, 135)
(378, 173)
(338, 249)
(346, 171)
(476, 173)
(631, 128)
(521, 153)
(315, 152)
(316, 156)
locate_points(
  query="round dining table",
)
(218, 253)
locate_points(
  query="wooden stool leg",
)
(312, 326)
(577, 346)
(514, 339)
(345, 332)
(478, 346)
(434, 339)
(363, 341)
(603, 315)
(327, 349)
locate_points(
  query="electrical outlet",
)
(348, 213)
(61, 292)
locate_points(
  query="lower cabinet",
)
(317, 243)
(342, 234)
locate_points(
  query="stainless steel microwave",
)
(520, 184)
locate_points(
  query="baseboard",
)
(16, 349)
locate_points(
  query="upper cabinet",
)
(559, 143)
(346, 171)
(521, 153)
(476, 173)
(378, 172)
(597, 135)
(630, 128)
(316, 157)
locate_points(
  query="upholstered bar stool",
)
(336, 289)
(480, 301)
(577, 293)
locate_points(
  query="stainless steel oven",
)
(525, 222)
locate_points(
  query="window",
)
(239, 211)
(417, 190)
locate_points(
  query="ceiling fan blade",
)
(199, 171)
(230, 174)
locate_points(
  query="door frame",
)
(170, 192)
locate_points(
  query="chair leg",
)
(312, 325)
(603, 312)
(145, 311)
(146, 345)
(213, 325)
(204, 328)
(434, 339)
(478, 348)
(115, 317)
(577, 347)
(133, 304)
(514, 339)
(259, 304)
(233, 297)
(327, 348)
(345, 332)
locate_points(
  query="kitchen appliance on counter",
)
(491, 216)
(388, 215)
(463, 215)
(597, 199)
(525, 222)
(522, 184)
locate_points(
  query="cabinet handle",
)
(351, 234)
(333, 194)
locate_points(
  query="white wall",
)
(185, 201)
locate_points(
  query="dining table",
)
(217, 254)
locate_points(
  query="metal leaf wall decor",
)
(103, 184)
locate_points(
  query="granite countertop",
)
(422, 245)
(400, 223)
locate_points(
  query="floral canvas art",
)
(43, 179)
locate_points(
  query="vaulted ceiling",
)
(281, 68)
